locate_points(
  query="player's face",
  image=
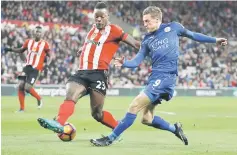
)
(38, 33)
(101, 18)
(150, 23)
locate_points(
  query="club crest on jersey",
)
(167, 29)
(93, 36)
(102, 32)
(34, 49)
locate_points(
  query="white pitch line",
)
(168, 113)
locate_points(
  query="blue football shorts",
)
(160, 86)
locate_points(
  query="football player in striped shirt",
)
(101, 43)
(36, 51)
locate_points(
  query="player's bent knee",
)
(20, 87)
(74, 91)
(133, 108)
(97, 116)
(27, 87)
(146, 121)
(71, 99)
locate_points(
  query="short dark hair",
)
(100, 5)
(38, 27)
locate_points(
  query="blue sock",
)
(125, 123)
(159, 123)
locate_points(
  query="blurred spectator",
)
(200, 65)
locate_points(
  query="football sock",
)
(21, 97)
(65, 111)
(108, 120)
(34, 93)
(125, 123)
(159, 123)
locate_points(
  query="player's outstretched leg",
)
(73, 92)
(65, 111)
(51, 125)
(104, 141)
(21, 96)
(124, 124)
(176, 128)
(149, 119)
(180, 134)
(40, 104)
(29, 88)
(104, 117)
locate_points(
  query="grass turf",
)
(209, 123)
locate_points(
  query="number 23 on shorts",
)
(100, 85)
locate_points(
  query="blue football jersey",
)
(162, 46)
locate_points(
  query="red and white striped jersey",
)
(100, 46)
(36, 52)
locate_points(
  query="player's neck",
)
(37, 39)
(156, 28)
(104, 26)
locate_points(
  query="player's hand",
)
(6, 49)
(118, 62)
(79, 51)
(221, 41)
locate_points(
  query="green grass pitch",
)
(209, 123)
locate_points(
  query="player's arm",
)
(15, 50)
(199, 36)
(18, 50)
(49, 57)
(126, 38)
(132, 42)
(136, 61)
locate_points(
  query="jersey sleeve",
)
(120, 33)
(140, 56)
(25, 45)
(182, 31)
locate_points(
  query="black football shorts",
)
(92, 79)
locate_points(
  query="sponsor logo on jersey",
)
(159, 44)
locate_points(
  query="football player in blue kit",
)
(161, 43)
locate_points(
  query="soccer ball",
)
(69, 132)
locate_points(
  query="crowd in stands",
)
(200, 65)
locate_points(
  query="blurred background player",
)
(161, 43)
(37, 50)
(101, 43)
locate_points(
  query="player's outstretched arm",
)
(131, 41)
(205, 39)
(221, 41)
(143, 51)
(15, 50)
(198, 36)
(122, 62)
